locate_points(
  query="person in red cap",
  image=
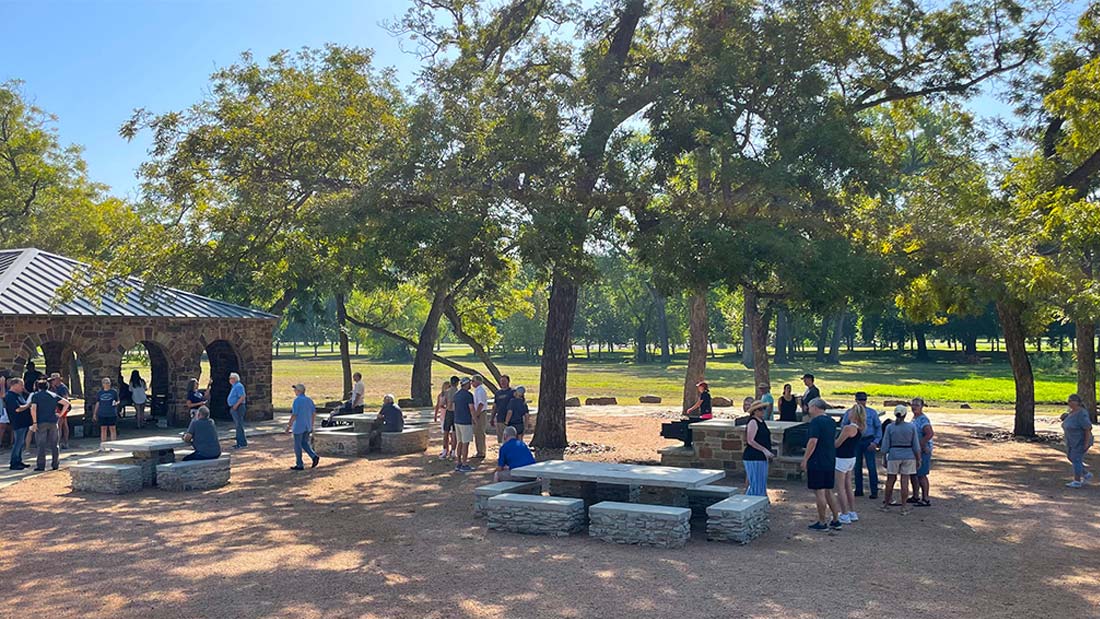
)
(702, 405)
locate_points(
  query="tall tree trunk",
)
(1016, 345)
(970, 344)
(758, 334)
(747, 357)
(1086, 364)
(782, 352)
(345, 349)
(838, 333)
(421, 384)
(822, 338)
(550, 423)
(641, 339)
(922, 343)
(697, 346)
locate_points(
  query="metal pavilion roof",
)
(30, 280)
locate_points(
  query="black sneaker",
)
(818, 526)
(316, 459)
(38, 470)
(874, 496)
(297, 468)
(835, 525)
(912, 500)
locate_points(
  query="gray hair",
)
(819, 404)
(477, 378)
(387, 399)
(235, 375)
(917, 401)
(203, 413)
(510, 432)
(521, 390)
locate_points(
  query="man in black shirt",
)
(19, 414)
(44, 417)
(812, 393)
(501, 399)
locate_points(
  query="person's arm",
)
(289, 424)
(240, 401)
(187, 438)
(66, 406)
(916, 447)
(34, 414)
(750, 438)
(877, 425)
(811, 445)
(313, 418)
(694, 407)
(845, 434)
(886, 442)
(95, 410)
(508, 416)
(473, 410)
(928, 434)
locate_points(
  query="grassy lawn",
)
(882, 374)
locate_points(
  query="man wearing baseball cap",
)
(464, 424)
(764, 394)
(302, 413)
(868, 447)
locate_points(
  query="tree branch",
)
(408, 341)
(479, 350)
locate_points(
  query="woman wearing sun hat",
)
(758, 450)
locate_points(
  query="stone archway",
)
(224, 360)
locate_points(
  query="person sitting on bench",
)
(390, 419)
(354, 404)
(203, 436)
(514, 453)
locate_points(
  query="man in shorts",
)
(819, 462)
(924, 435)
(450, 445)
(464, 424)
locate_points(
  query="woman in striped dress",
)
(758, 451)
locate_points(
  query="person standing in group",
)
(788, 405)
(518, 412)
(868, 445)
(19, 415)
(464, 424)
(124, 396)
(924, 466)
(758, 451)
(195, 399)
(61, 390)
(444, 411)
(31, 376)
(1078, 437)
(203, 437)
(5, 419)
(105, 412)
(44, 406)
(902, 448)
(302, 416)
(764, 394)
(354, 403)
(819, 462)
(810, 394)
(481, 407)
(500, 406)
(138, 396)
(237, 401)
(847, 444)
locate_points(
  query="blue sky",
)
(92, 62)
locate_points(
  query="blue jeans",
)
(1077, 458)
(872, 466)
(757, 473)
(238, 420)
(17, 446)
(301, 442)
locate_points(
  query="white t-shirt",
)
(481, 398)
(358, 391)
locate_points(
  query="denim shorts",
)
(925, 464)
(107, 422)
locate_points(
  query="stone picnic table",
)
(611, 481)
(364, 422)
(148, 452)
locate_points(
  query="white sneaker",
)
(852, 516)
(442, 454)
(844, 519)
(1075, 484)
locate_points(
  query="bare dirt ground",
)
(396, 538)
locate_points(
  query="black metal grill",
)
(794, 439)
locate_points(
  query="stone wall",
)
(739, 519)
(175, 345)
(647, 525)
(105, 478)
(720, 444)
(194, 474)
(536, 515)
(343, 443)
(408, 441)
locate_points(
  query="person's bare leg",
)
(819, 497)
(446, 442)
(832, 505)
(841, 496)
(890, 479)
(850, 492)
(923, 479)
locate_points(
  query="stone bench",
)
(193, 474)
(105, 477)
(536, 514)
(108, 459)
(341, 443)
(634, 523)
(699, 499)
(408, 441)
(738, 519)
(482, 494)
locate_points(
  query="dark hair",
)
(454, 380)
(136, 379)
(30, 365)
(42, 385)
(1075, 398)
(193, 384)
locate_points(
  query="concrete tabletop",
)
(615, 473)
(147, 443)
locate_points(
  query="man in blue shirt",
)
(819, 462)
(302, 413)
(105, 412)
(19, 415)
(868, 446)
(464, 424)
(514, 453)
(236, 402)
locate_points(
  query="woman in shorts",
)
(900, 443)
(846, 445)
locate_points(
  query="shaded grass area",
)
(943, 380)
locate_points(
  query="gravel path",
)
(395, 538)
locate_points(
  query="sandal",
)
(893, 504)
(924, 503)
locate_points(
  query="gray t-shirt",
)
(1075, 425)
(901, 441)
(204, 438)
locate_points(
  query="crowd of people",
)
(463, 407)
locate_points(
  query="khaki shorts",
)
(465, 433)
(901, 467)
